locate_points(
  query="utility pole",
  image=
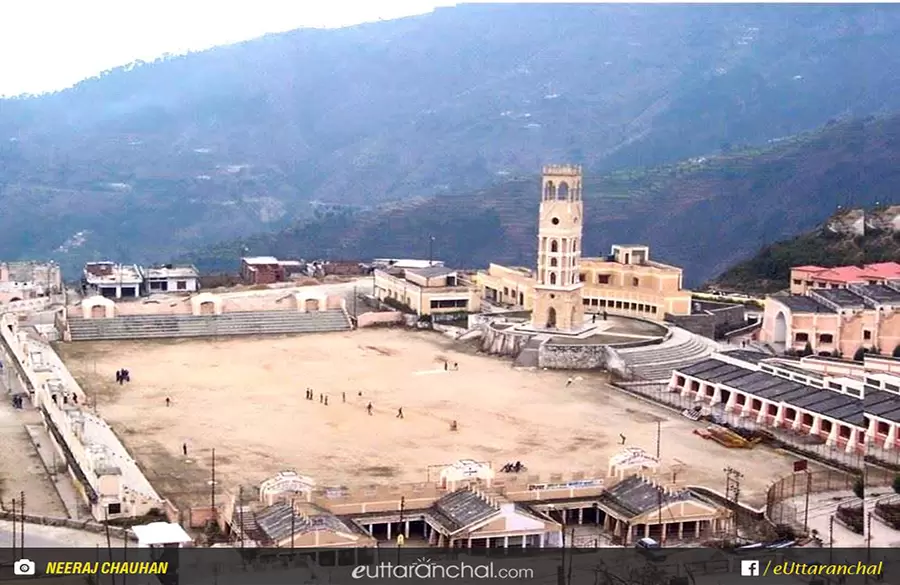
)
(14, 528)
(806, 506)
(659, 492)
(112, 577)
(293, 525)
(733, 479)
(212, 485)
(401, 528)
(241, 512)
(830, 538)
(22, 524)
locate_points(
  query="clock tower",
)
(558, 301)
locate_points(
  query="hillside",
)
(769, 271)
(145, 162)
(702, 214)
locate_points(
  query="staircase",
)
(656, 362)
(229, 324)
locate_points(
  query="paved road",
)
(52, 537)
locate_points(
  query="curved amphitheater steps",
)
(656, 362)
(229, 324)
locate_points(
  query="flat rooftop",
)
(776, 389)
(170, 271)
(109, 273)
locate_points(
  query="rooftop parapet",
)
(566, 170)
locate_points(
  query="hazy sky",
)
(52, 44)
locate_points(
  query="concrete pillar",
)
(581, 515)
(833, 435)
(761, 416)
(406, 529)
(628, 535)
(891, 437)
(732, 401)
(697, 529)
(388, 530)
(779, 415)
(541, 540)
(854, 440)
(680, 530)
(646, 531)
(505, 542)
(816, 427)
(525, 540)
(798, 420)
(469, 543)
(717, 395)
(748, 403)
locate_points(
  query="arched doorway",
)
(312, 305)
(551, 318)
(98, 312)
(780, 333)
(207, 308)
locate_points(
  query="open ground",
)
(244, 397)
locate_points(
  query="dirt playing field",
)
(245, 397)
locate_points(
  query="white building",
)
(122, 281)
(111, 280)
(169, 277)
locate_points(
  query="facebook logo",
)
(749, 568)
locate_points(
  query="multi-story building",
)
(427, 291)
(269, 270)
(121, 281)
(20, 281)
(627, 282)
(858, 309)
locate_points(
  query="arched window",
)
(554, 246)
(563, 190)
(575, 245)
(552, 278)
(549, 190)
(553, 262)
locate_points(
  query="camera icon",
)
(23, 567)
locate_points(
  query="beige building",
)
(565, 285)
(427, 291)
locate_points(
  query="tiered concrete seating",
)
(656, 362)
(244, 323)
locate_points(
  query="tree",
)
(896, 484)
(860, 355)
(807, 350)
(896, 353)
(859, 489)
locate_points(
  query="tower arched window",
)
(554, 246)
(549, 190)
(575, 244)
(553, 262)
(552, 278)
(563, 190)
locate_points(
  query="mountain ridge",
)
(146, 164)
(703, 214)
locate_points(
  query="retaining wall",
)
(381, 318)
(573, 357)
(86, 525)
(504, 343)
